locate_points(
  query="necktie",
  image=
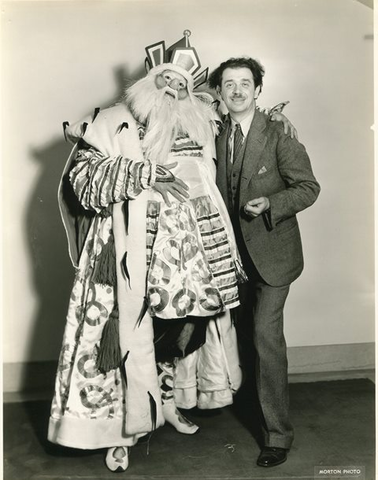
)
(238, 141)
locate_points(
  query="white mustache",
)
(170, 91)
(166, 91)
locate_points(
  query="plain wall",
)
(60, 60)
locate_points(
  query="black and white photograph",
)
(188, 239)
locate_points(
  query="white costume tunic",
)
(95, 410)
(194, 262)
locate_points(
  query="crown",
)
(180, 55)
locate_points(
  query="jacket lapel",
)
(256, 140)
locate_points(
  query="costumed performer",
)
(148, 326)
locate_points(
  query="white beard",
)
(166, 117)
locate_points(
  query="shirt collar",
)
(244, 124)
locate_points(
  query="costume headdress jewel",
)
(180, 54)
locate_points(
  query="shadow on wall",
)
(53, 273)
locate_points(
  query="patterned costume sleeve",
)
(270, 111)
(99, 181)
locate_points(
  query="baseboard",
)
(331, 358)
(29, 376)
(309, 363)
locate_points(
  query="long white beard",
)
(166, 117)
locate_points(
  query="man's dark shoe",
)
(272, 456)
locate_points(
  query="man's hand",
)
(288, 126)
(176, 187)
(257, 206)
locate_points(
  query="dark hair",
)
(215, 79)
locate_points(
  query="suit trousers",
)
(260, 322)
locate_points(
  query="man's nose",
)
(236, 88)
(174, 83)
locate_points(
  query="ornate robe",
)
(116, 207)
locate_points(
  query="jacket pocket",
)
(286, 226)
(260, 176)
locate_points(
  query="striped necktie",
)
(238, 141)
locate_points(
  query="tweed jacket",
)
(275, 166)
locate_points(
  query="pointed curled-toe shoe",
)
(117, 462)
(272, 456)
(175, 418)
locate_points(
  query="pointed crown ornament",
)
(180, 57)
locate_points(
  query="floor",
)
(334, 423)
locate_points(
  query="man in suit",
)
(265, 178)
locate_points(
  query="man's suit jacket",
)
(278, 167)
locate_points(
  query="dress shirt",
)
(244, 126)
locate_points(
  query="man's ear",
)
(218, 90)
(257, 92)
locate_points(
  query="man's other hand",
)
(257, 206)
